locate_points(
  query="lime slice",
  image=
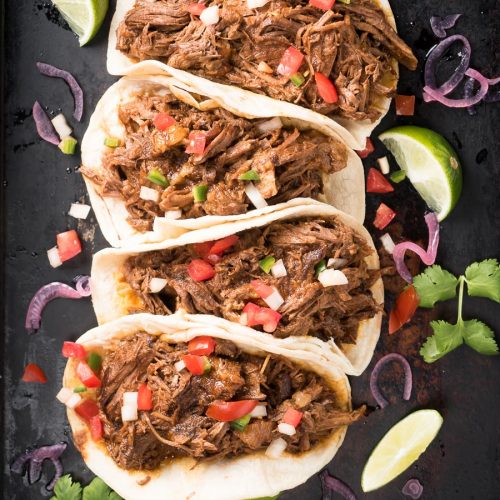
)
(400, 447)
(83, 16)
(430, 163)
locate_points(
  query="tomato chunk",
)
(87, 409)
(201, 346)
(249, 314)
(290, 62)
(197, 142)
(227, 411)
(197, 365)
(33, 373)
(405, 105)
(369, 149)
(377, 183)
(263, 290)
(268, 318)
(86, 375)
(199, 270)
(220, 246)
(292, 417)
(196, 8)
(162, 121)
(326, 88)
(73, 350)
(383, 216)
(68, 245)
(322, 4)
(95, 426)
(404, 309)
(144, 398)
(203, 249)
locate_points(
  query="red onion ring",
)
(331, 484)
(440, 24)
(413, 489)
(44, 126)
(377, 395)
(494, 96)
(76, 90)
(50, 292)
(428, 257)
(468, 92)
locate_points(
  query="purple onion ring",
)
(76, 90)
(413, 489)
(53, 291)
(331, 484)
(440, 24)
(492, 96)
(468, 93)
(44, 126)
(377, 395)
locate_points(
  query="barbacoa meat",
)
(290, 163)
(353, 44)
(177, 426)
(309, 308)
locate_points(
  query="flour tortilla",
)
(353, 132)
(245, 477)
(113, 297)
(344, 189)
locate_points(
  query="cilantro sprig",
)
(97, 489)
(436, 284)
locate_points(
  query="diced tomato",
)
(220, 246)
(263, 290)
(144, 398)
(201, 346)
(163, 120)
(405, 105)
(404, 309)
(268, 318)
(292, 417)
(199, 270)
(383, 216)
(197, 142)
(290, 62)
(197, 365)
(87, 409)
(86, 375)
(73, 350)
(369, 149)
(249, 314)
(322, 4)
(326, 88)
(196, 8)
(68, 245)
(377, 183)
(33, 373)
(95, 426)
(231, 410)
(203, 249)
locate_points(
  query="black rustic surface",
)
(39, 183)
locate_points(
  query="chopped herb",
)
(200, 192)
(435, 284)
(319, 267)
(240, 423)
(483, 279)
(156, 177)
(80, 388)
(207, 366)
(297, 79)
(68, 145)
(94, 361)
(266, 263)
(112, 142)
(398, 176)
(250, 175)
(67, 489)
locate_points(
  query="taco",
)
(257, 420)
(303, 273)
(340, 63)
(154, 150)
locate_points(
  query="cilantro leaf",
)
(66, 489)
(99, 490)
(483, 279)
(480, 337)
(435, 284)
(446, 338)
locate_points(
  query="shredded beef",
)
(177, 425)
(353, 44)
(309, 308)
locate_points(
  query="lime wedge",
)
(83, 16)
(430, 163)
(400, 447)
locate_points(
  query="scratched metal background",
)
(39, 183)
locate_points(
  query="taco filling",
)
(336, 62)
(179, 162)
(207, 399)
(305, 276)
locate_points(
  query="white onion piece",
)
(287, 429)
(73, 401)
(253, 193)
(157, 285)
(275, 300)
(79, 210)
(263, 67)
(383, 164)
(259, 411)
(336, 262)
(130, 398)
(173, 214)
(54, 258)
(332, 277)
(255, 4)
(64, 394)
(269, 125)
(244, 319)
(180, 365)
(129, 413)
(210, 15)
(276, 448)
(278, 270)
(61, 125)
(149, 194)
(388, 243)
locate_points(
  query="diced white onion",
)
(157, 285)
(130, 398)
(244, 319)
(210, 15)
(278, 270)
(263, 67)
(332, 277)
(336, 263)
(61, 126)
(259, 411)
(79, 210)
(256, 198)
(73, 401)
(54, 258)
(388, 243)
(383, 164)
(275, 300)
(180, 365)
(173, 214)
(276, 448)
(255, 4)
(64, 394)
(129, 413)
(149, 194)
(287, 429)
(272, 124)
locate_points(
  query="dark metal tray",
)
(39, 184)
